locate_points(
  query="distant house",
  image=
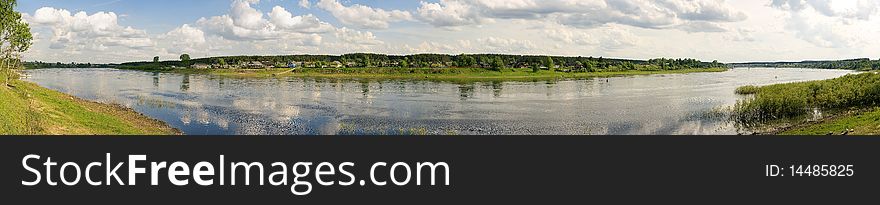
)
(291, 65)
(268, 64)
(201, 66)
(253, 65)
(336, 64)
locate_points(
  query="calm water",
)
(202, 104)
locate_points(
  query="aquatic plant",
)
(747, 90)
(798, 99)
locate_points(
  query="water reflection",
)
(155, 79)
(466, 91)
(184, 84)
(200, 104)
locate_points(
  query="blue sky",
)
(725, 30)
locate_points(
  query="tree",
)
(404, 64)
(498, 64)
(589, 65)
(156, 59)
(184, 58)
(15, 36)
(548, 62)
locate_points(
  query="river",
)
(677, 104)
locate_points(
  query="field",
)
(846, 103)
(28, 109)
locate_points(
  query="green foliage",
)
(792, 100)
(498, 64)
(485, 61)
(548, 62)
(184, 58)
(747, 90)
(15, 37)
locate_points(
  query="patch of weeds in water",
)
(747, 90)
(800, 101)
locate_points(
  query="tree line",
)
(850, 64)
(486, 61)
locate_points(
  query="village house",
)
(252, 65)
(336, 64)
(200, 66)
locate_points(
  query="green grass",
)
(794, 103)
(28, 109)
(444, 74)
(796, 99)
(861, 123)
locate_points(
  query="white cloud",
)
(363, 16)
(702, 26)
(684, 14)
(308, 23)
(448, 13)
(246, 23)
(827, 23)
(305, 4)
(503, 45)
(98, 31)
(857, 9)
(357, 37)
(185, 39)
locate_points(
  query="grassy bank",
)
(448, 74)
(847, 102)
(865, 122)
(28, 109)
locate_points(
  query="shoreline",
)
(30, 109)
(465, 74)
(847, 106)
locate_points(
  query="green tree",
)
(589, 66)
(498, 64)
(221, 61)
(185, 59)
(15, 36)
(404, 63)
(156, 59)
(548, 62)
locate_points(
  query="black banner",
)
(481, 169)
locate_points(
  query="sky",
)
(114, 31)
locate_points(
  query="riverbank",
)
(28, 109)
(849, 105)
(443, 74)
